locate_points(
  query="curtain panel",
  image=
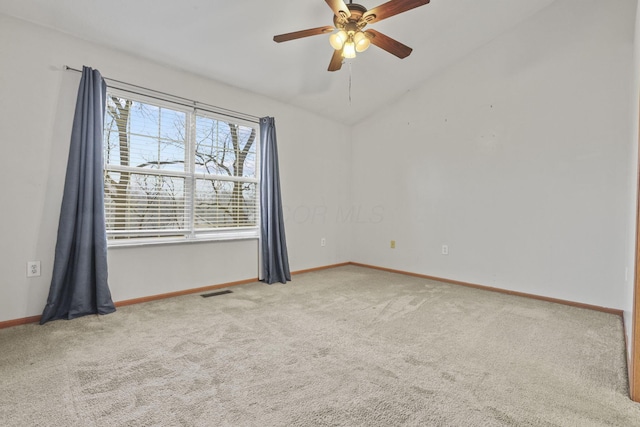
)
(275, 259)
(79, 283)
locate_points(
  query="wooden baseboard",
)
(213, 287)
(184, 292)
(34, 319)
(626, 356)
(310, 270)
(18, 322)
(499, 290)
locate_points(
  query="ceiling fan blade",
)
(300, 34)
(336, 61)
(339, 8)
(392, 46)
(390, 9)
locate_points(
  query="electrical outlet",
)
(33, 268)
(445, 250)
(393, 244)
(323, 242)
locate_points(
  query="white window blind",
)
(173, 173)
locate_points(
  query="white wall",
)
(517, 158)
(37, 99)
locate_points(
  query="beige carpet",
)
(348, 346)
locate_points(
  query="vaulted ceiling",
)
(232, 42)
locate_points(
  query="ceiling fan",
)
(349, 20)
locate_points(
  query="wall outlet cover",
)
(33, 268)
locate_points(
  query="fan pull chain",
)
(349, 83)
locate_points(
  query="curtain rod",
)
(190, 102)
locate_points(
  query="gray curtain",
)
(79, 283)
(275, 260)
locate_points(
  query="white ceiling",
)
(231, 42)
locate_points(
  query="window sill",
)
(203, 238)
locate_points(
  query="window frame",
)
(190, 233)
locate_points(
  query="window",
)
(172, 173)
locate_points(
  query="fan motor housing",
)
(353, 22)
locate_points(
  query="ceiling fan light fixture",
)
(349, 50)
(338, 39)
(361, 41)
